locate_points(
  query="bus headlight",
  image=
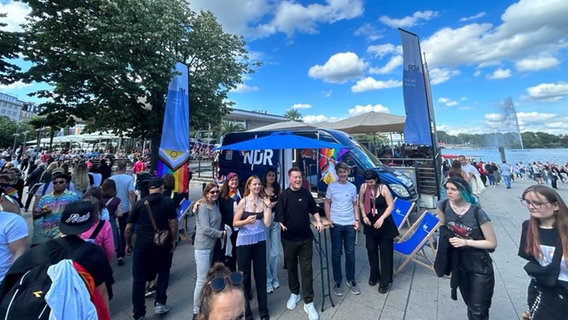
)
(399, 190)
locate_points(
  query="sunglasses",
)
(59, 182)
(214, 192)
(218, 284)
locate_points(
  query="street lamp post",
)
(16, 135)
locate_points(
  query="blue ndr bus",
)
(316, 164)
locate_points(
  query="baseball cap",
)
(77, 217)
(155, 183)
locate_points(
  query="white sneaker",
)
(311, 311)
(293, 301)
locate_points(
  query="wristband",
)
(357, 220)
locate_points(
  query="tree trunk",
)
(154, 148)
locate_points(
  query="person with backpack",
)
(151, 214)
(100, 232)
(468, 232)
(25, 292)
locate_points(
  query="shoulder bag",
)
(161, 237)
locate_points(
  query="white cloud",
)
(318, 118)
(536, 63)
(15, 86)
(368, 31)
(527, 28)
(534, 118)
(372, 84)
(499, 74)
(408, 21)
(494, 117)
(234, 16)
(359, 109)
(327, 93)
(477, 16)
(550, 92)
(291, 17)
(301, 106)
(241, 87)
(16, 14)
(441, 75)
(381, 50)
(339, 68)
(394, 62)
(448, 102)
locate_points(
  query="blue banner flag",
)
(417, 129)
(174, 146)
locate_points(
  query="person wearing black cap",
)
(75, 219)
(148, 259)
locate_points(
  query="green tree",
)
(8, 50)
(293, 114)
(229, 126)
(110, 62)
(52, 122)
(8, 128)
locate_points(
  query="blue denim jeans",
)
(507, 179)
(272, 253)
(203, 263)
(343, 238)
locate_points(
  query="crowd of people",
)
(492, 173)
(248, 231)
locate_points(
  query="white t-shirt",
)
(124, 184)
(469, 168)
(342, 197)
(12, 228)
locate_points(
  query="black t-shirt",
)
(548, 239)
(293, 211)
(91, 257)
(226, 207)
(163, 210)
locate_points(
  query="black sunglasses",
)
(218, 284)
(59, 182)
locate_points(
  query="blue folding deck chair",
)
(423, 230)
(401, 211)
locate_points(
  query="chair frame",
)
(419, 251)
(405, 216)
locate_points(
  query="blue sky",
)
(332, 59)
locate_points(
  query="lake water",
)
(558, 156)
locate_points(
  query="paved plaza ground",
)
(417, 293)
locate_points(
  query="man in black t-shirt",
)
(150, 260)
(292, 212)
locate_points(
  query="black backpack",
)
(22, 294)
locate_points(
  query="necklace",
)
(255, 202)
(460, 211)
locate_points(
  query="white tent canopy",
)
(291, 124)
(79, 138)
(370, 122)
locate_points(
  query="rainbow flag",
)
(174, 145)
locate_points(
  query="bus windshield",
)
(364, 156)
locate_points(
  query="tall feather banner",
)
(174, 146)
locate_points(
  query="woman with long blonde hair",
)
(544, 242)
(80, 178)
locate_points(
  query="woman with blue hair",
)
(472, 237)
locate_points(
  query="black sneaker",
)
(120, 261)
(150, 291)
